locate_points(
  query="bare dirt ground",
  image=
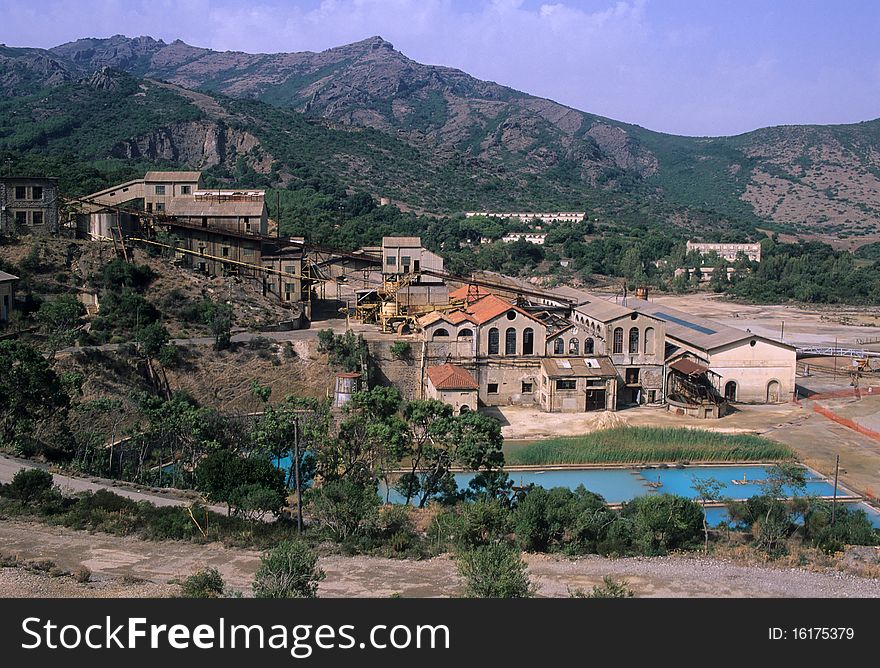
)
(134, 567)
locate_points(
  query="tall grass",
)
(642, 445)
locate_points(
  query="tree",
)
(289, 570)
(707, 489)
(345, 507)
(30, 391)
(228, 478)
(218, 317)
(662, 523)
(347, 352)
(494, 571)
(60, 321)
(30, 485)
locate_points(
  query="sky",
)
(692, 67)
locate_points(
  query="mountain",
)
(451, 141)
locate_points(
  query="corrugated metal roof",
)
(689, 367)
(173, 177)
(187, 206)
(451, 377)
(7, 277)
(402, 242)
(578, 367)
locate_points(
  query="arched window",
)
(618, 341)
(441, 332)
(466, 333)
(558, 347)
(463, 410)
(528, 341)
(634, 341)
(589, 346)
(574, 347)
(649, 341)
(493, 341)
(510, 341)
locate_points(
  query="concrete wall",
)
(455, 398)
(753, 368)
(406, 374)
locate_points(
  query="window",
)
(225, 251)
(574, 347)
(441, 332)
(634, 341)
(391, 261)
(527, 388)
(20, 192)
(632, 376)
(37, 192)
(649, 341)
(185, 190)
(21, 217)
(204, 221)
(405, 260)
(466, 333)
(289, 269)
(618, 341)
(149, 207)
(37, 218)
(160, 190)
(492, 388)
(160, 206)
(589, 346)
(248, 252)
(566, 384)
(290, 287)
(493, 341)
(510, 341)
(511, 315)
(558, 347)
(528, 341)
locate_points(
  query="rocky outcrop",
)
(199, 144)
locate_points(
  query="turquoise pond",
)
(619, 485)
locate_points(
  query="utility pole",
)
(782, 332)
(834, 352)
(297, 482)
(834, 498)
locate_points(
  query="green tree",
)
(218, 317)
(708, 490)
(60, 321)
(494, 571)
(289, 570)
(30, 391)
(226, 477)
(345, 507)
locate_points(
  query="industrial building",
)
(28, 205)
(729, 252)
(7, 295)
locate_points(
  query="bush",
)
(610, 588)
(482, 523)
(29, 485)
(288, 571)
(494, 571)
(544, 519)
(83, 574)
(206, 583)
(663, 523)
(344, 507)
(851, 527)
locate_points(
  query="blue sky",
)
(696, 67)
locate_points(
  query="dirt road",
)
(148, 567)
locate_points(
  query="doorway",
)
(773, 392)
(730, 390)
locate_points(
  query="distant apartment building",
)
(28, 205)
(729, 252)
(537, 238)
(527, 216)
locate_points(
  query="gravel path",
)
(113, 558)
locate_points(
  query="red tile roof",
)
(491, 306)
(451, 377)
(468, 293)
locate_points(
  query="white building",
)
(728, 251)
(527, 216)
